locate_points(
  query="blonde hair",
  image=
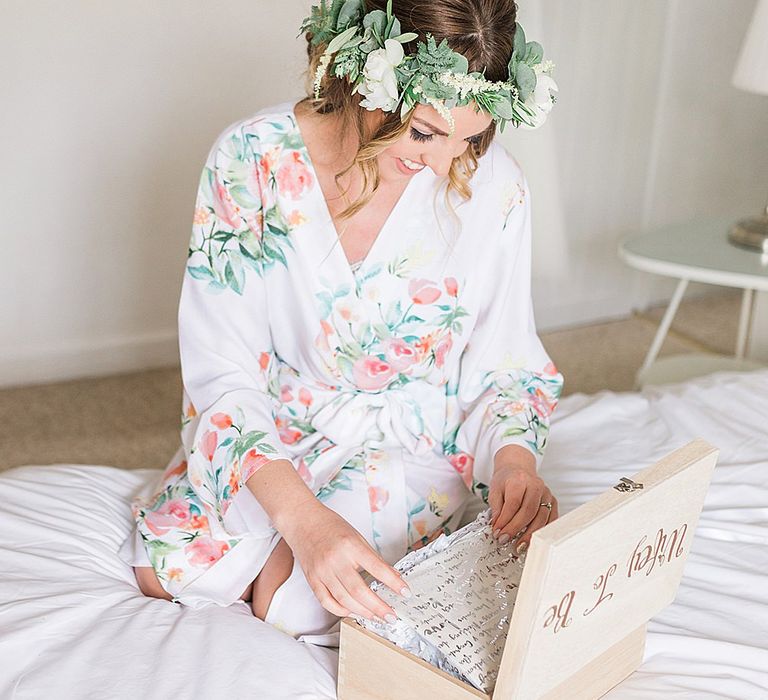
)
(481, 30)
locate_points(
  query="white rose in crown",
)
(540, 100)
(379, 84)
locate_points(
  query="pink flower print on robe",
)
(304, 472)
(442, 348)
(377, 497)
(423, 291)
(204, 551)
(288, 435)
(451, 286)
(541, 403)
(464, 464)
(305, 397)
(224, 206)
(293, 176)
(177, 470)
(371, 372)
(252, 462)
(174, 513)
(221, 420)
(263, 170)
(400, 354)
(208, 444)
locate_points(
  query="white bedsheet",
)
(73, 624)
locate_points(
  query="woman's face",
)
(427, 144)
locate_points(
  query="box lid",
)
(596, 574)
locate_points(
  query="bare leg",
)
(150, 585)
(273, 575)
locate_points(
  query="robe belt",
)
(357, 419)
(358, 423)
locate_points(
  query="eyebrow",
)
(431, 126)
(440, 131)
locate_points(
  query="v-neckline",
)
(325, 210)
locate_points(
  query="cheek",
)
(406, 148)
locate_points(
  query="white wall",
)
(648, 131)
(108, 110)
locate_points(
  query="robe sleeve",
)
(224, 335)
(507, 386)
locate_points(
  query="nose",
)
(440, 160)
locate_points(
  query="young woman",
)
(357, 338)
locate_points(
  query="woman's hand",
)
(516, 492)
(331, 553)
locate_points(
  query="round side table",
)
(697, 251)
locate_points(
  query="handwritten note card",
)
(463, 595)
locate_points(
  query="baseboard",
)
(76, 359)
(563, 316)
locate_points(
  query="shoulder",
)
(498, 167)
(500, 192)
(249, 137)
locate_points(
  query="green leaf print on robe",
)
(172, 524)
(520, 404)
(243, 451)
(238, 227)
(378, 345)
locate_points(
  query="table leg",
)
(744, 322)
(666, 322)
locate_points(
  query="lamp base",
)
(750, 233)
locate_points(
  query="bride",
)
(358, 347)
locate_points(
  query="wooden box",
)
(591, 581)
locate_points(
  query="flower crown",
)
(367, 50)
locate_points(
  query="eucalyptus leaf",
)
(526, 80)
(349, 13)
(534, 53)
(512, 65)
(518, 46)
(375, 20)
(460, 63)
(503, 109)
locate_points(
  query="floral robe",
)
(389, 387)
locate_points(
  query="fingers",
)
(527, 511)
(495, 501)
(352, 593)
(383, 572)
(514, 498)
(540, 520)
(328, 601)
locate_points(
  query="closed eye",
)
(417, 135)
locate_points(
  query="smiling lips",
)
(411, 165)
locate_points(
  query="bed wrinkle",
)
(68, 603)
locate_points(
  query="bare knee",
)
(149, 584)
(273, 575)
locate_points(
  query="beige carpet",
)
(132, 420)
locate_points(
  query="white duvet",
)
(74, 625)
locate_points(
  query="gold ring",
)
(546, 505)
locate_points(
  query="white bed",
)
(73, 624)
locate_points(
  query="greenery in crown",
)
(367, 50)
